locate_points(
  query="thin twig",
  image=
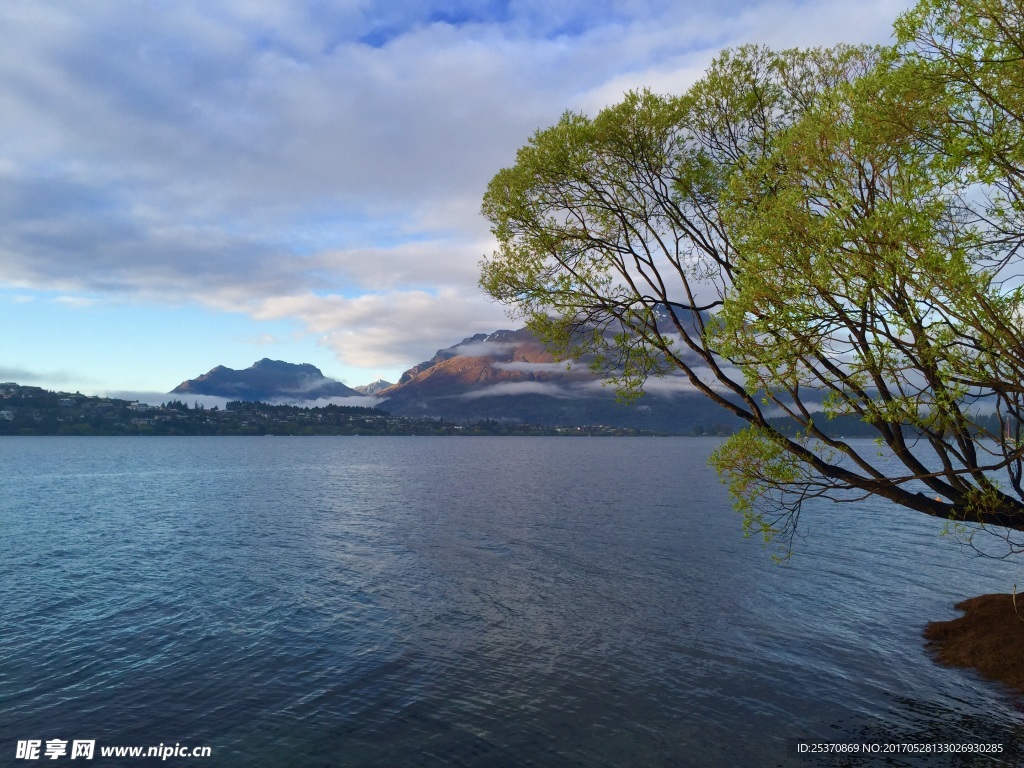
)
(1014, 598)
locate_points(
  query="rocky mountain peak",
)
(267, 380)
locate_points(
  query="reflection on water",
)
(463, 601)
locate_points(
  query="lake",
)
(389, 601)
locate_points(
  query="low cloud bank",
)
(483, 349)
(523, 366)
(209, 401)
(520, 388)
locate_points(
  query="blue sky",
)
(191, 184)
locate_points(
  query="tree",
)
(973, 52)
(814, 233)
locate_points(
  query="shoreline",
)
(988, 638)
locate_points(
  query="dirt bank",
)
(989, 637)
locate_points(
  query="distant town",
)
(27, 410)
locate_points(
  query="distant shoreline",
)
(34, 412)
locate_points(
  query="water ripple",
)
(466, 602)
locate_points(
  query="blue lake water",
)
(465, 602)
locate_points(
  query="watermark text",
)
(86, 749)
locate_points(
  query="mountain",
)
(506, 376)
(485, 360)
(373, 387)
(266, 380)
(509, 376)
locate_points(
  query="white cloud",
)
(263, 340)
(160, 398)
(521, 366)
(668, 385)
(348, 402)
(209, 401)
(520, 388)
(483, 349)
(76, 301)
(322, 163)
(384, 329)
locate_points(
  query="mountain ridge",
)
(505, 376)
(509, 375)
(266, 379)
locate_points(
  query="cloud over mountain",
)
(510, 376)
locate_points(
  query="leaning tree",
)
(807, 234)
